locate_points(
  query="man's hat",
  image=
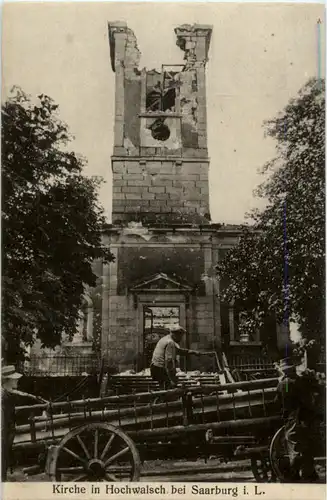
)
(10, 372)
(176, 328)
(288, 364)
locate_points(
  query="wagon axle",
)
(96, 468)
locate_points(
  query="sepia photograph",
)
(163, 247)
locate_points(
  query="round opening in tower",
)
(160, 131)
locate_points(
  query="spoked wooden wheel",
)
(262, 470)
(278, 453)
(95, 452)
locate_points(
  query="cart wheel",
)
(279, 455)
(262, 470)
(95, 452)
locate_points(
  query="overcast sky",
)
(260, 56)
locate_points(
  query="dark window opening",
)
(161, 90)
(159, 130)
(244, 330)
(156, 323)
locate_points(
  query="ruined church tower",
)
(164, 244)
(160, 161)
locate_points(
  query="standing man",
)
(9, 381)
(298, 394)
(164, 358)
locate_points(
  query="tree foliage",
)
(51, 225)
(277, 268)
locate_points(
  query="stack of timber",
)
(122, 384)
(129, 382)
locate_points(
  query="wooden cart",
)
(106, 439)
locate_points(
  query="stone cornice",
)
(194, 30)
(219, 229)
(160, 158)
(187, 40)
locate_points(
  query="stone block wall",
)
(158, 187)
(138, 262)
(122, 343)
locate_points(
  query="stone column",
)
(195, 41)
(201, 59)
(109, 290)
(216, 297)
(209, 285)
(105, 310)
(125, 58)
(120, 91)
(117, 40)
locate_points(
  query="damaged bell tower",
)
(164, 244)
(160, 159)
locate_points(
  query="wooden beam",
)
(148, 396)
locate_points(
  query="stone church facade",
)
(161, 235)
(164, 243)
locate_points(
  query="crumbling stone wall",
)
(180, 262)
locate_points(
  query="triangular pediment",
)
(161, 282)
